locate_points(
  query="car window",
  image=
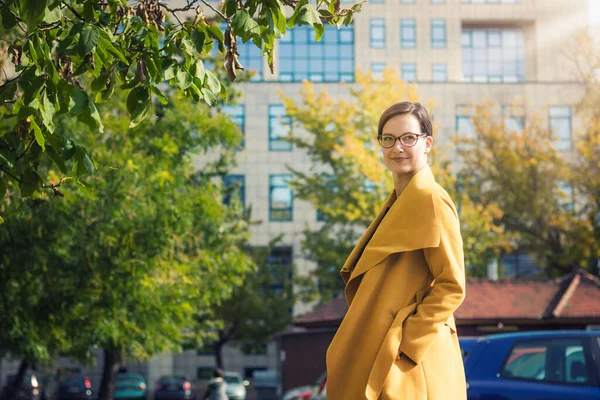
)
(232, 379)
(555, 360)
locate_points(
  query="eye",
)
(409, 138)
(388, 139)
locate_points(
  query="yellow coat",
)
(404, 279)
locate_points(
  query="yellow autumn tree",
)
(348, 183)
(526, 173)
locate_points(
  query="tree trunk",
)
(112, 360)
(13, 388)
(218, 347)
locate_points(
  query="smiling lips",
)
(399, 158)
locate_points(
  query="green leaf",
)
(57, 159)
(105, 41)
(32, 12)
(37, 132)
(1, 220)
(138, 105)
(277, 22)
(160, 95)
(77, 101)
(29, 183)
(198, 38)
(47, 110)
(100, 82)
(230, 7)
(96, 121)
(52, 16)
(184, 79)
(244, 26)
(216, 32)
(8, 20)
(140, 35)
(87, 190)
(153, 69)
(198, 70)
(213, 83)
(88, 40)
(305, 14)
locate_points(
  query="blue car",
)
(541, 365)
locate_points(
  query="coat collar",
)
(410, 223)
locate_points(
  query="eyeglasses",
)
(406, 140)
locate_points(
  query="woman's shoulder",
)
(442, 201)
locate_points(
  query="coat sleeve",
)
(446, 263)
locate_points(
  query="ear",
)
(428, 143)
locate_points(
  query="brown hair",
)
(406, 107)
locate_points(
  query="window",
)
(560, 124)
(321, 216)
(281, 198)
(552, 360)
(278, 128)
(438, 33)
(331, 59)
(235, 185)
(438, 1)
(377, 1)
(237, 114)
(377, 70)
(279, 263)
(408, 33)
(518, 265)
(493, 55)
(377, 33)
(465, 128)
(439, 73)
(491, 1)
(514, 119)
(568, 196)
(409, 72)
(407, 1)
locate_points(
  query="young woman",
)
(404, 280)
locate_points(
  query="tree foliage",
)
(69, 56)
(348, 182)
(126, 263)
(525, 173)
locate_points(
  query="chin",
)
(402, 169)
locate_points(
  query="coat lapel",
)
(409, 224)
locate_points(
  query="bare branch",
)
(217, 11)
(9, 174)
(73, 11)
(26, 150)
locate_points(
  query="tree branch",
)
(73, 11)
(9, 174)
(26, 150)
(217, 11)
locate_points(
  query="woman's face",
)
(403, 160)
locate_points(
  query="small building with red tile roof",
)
(491, 306)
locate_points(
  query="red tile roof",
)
(576, 295)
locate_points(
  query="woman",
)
(217, 387)
(404, 280)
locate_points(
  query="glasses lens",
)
(387, 141)
(408, 139)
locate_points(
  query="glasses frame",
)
(418, 135)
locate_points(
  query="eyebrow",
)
(390, 134)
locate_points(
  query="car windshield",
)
(232, 379)
(172, 379)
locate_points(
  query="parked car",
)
(130, 386)
(299, 393)
(29, 390)
(548, 365)
(466, 344)
(170, 387)
(236, 386)
(73, 387)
